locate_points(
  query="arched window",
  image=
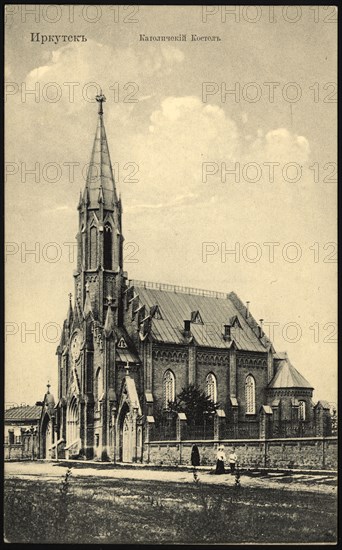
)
(250, 394)
(98, 388)
(107, 246)
(93, 247)
(168, 387)
(211, 386)
(302, 410)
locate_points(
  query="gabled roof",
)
(27, 412)
(324, 404)
(215, 312)
(288, 377)
(128, 354)
(132, 392)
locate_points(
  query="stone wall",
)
(306, 453)
(23, 450)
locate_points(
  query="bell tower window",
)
(93, 247)
(108, 237)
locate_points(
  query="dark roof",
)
(215, 310)
(28, 412)
(280, 355)
(288, 377)
(126, 355)
(100, 174)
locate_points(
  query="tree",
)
(194, 403)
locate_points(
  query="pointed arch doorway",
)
(126, 432)
(73, 441)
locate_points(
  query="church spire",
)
(99, 237)
(100, 180)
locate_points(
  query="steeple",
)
(100, 241)
(100, 183)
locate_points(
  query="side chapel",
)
(128, 347)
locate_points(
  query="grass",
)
(95, 510)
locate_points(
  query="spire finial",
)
(100, 99)
(48, 385)
(70, 296)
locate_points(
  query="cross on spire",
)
(100, 98)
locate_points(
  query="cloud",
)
(177, 201)
(281, 145)
(172, 54)
(94, 65)
(184, 133)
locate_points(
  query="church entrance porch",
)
(128, 425)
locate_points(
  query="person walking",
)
(195, 456)
(221, 457)
(232, 461)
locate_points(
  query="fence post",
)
(235, 416)
(322, 419)
(22, 434)
(181, 424)
(264, 421)
(149, 424)
(219, 422)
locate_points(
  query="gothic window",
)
(211, 386)
(301, 410)
(250, 394)
(93, 247)
(168, 387)
(107, 245)
(98, 389)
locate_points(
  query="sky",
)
(217, 144)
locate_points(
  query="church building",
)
(129, 347)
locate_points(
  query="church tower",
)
(99, 274)
(86, 353)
